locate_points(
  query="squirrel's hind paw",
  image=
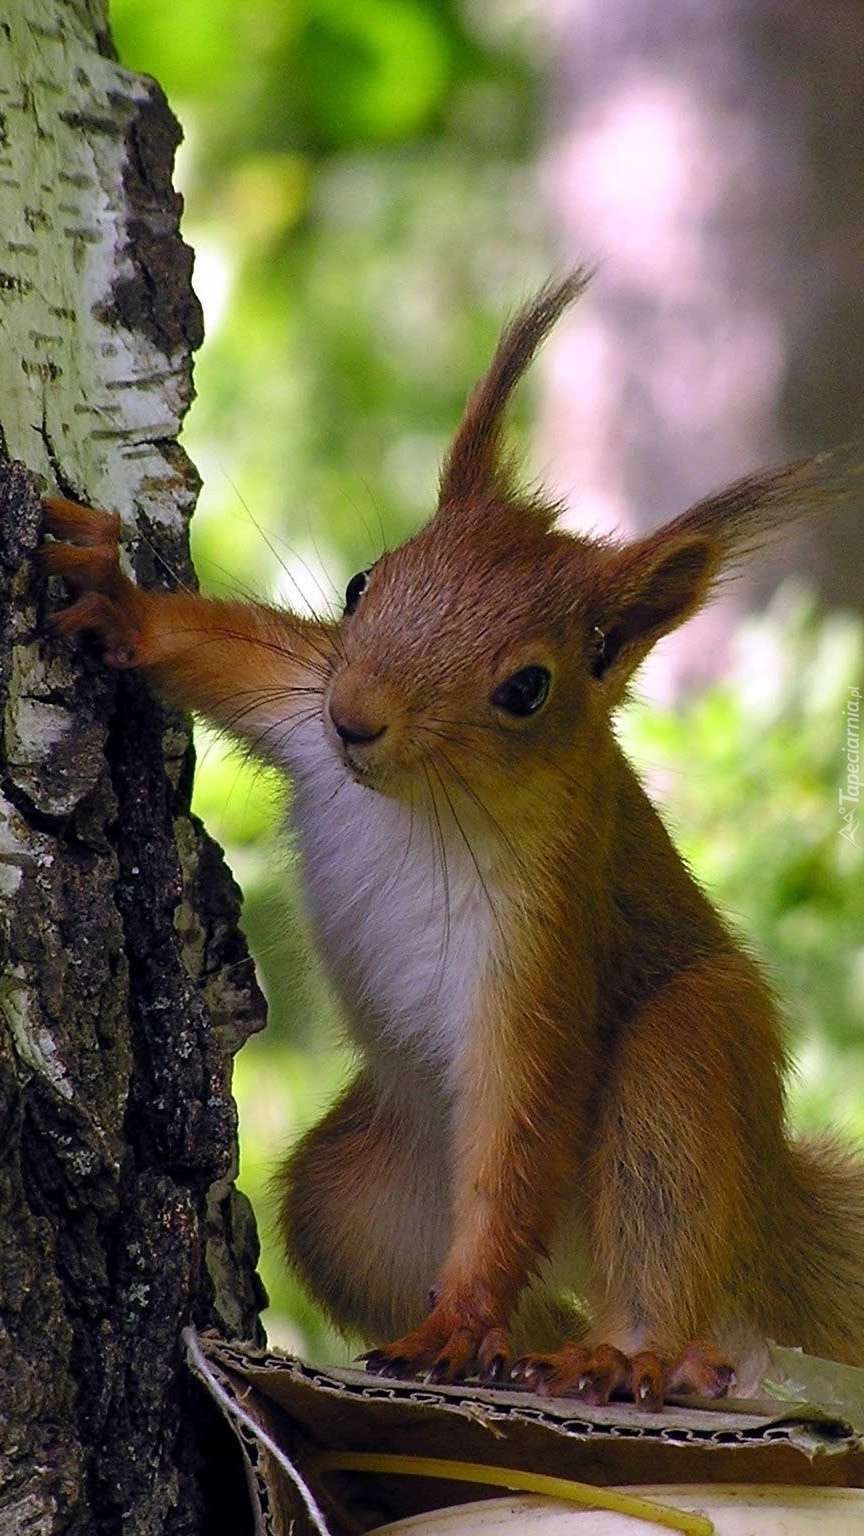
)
(604, 1372)
(445, 1348)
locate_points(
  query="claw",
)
(646, 1397)
(379, 1363)
(702, 1370)
(527, 1371)
(106, 603)
(440, 1373)
(597, 1375)
(396, 1369)
(374, 1360)
(451, 1344)
(495, 1371)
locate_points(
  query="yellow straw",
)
(522, 1482)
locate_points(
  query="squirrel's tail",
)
(816, 1256)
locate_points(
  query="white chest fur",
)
(402, 918)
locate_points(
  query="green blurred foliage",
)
(362, 201)
(749, 775)
(362, 198)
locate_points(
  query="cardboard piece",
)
(285, 1414)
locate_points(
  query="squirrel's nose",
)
(353, 729)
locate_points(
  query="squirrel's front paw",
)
(450, 1345)
(87, 557)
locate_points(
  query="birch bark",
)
(125, 986)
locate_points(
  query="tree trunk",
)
(125, 986)
(711, 156)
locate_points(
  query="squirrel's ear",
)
(648, 588)
(475, 466)
(651, 588)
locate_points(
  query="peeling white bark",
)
(79, 394)
(86, 400)
(118, 1216)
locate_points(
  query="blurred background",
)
(370, 188)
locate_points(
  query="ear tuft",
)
(474, 464)
(744, 517)
(648, 588)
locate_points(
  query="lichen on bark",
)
(125, 986)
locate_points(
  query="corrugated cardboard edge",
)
(285, 1412)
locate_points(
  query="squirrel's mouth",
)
(362, 762)
(357, 763)
(377, 769)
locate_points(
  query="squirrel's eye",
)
(354, 591)
(523, 693)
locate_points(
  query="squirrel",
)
(570, 1079)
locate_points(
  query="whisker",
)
(251, 706)
(291, 727)
(438, 838)
(445, 729)
(165, 563)
(474, 860)
(339, 786)
(251, 703)
(259, 528)
(377, 510)
(234, 589)
(331, 603)
(468, 789)
(397, 875)
(212, 637)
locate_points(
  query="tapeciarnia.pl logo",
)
(850, 795)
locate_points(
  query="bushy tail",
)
(816, 1260)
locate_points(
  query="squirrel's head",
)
(491, 648)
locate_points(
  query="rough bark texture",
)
(125, 986)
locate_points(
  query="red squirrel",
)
(570, 1079)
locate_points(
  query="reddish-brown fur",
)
(606, 1110)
